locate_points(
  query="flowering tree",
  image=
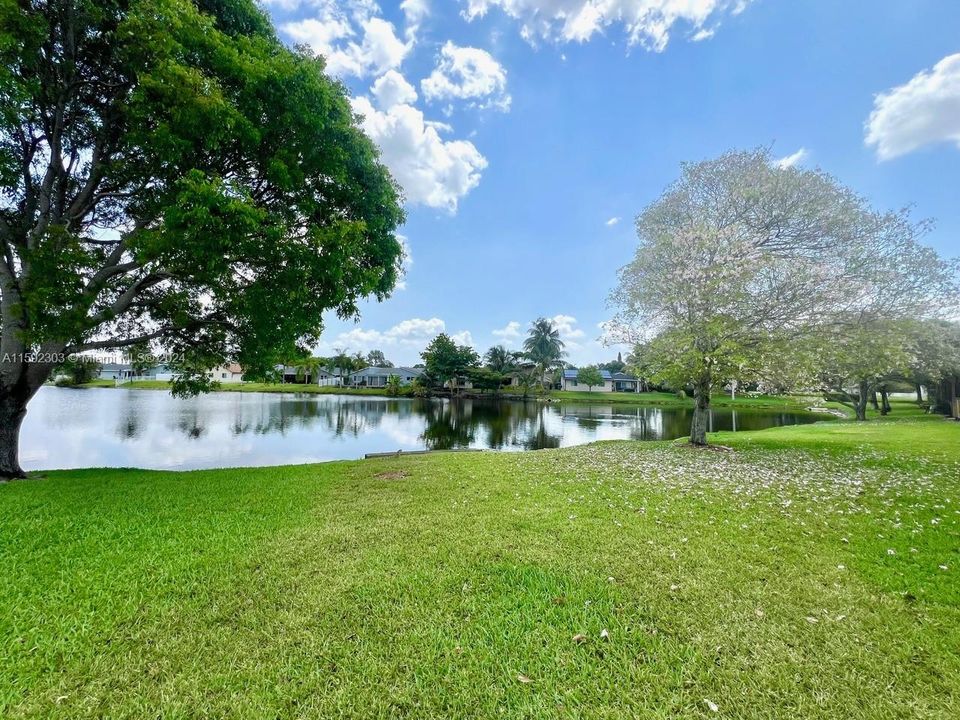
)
(736, 260)
(891, 282)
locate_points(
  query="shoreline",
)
(791, 403)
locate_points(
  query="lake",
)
(104, 427)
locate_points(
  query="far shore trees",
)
(742, 263)
(172, 174)
(500, 360)
(445, 361)
(376, 358)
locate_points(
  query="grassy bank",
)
(658, 399)
(811, 572)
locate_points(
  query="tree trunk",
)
(862, 398)
(13, 408)
(884, 401)
(874, 401)
(701, 413)
(919, 392)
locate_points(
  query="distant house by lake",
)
(612, 382)
(116, 371)
(125, 372)
(227, 374)
(378, 377)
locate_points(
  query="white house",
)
(329, 378)
(227, 374)
(612, 382)
(378, 377)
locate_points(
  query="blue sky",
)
(529, 133)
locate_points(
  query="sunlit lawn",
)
(810, 572)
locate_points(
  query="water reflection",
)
(144, 428)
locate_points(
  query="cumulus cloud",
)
(647, 22)
(510, 332)
(923, 111)
(404, 340)
(412, 333)
(794, 159)
(432, 171)
(612, 221)
(352, 37)
(566, 324)
(463, 338)
(393, 89)
(378, 50)
(468, 73)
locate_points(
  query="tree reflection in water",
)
(458, 423)
(145, 428)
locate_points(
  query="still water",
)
(104, 427)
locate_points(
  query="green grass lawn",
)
(808, 572)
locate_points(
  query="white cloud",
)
(703, 34)
(393, 89)
(794, 159)
(468, 73)
(406, 261)
(413, 333)
(566, 324)
(510, 332)
(415, 329)
(923, 111)
(415, 12)
(647, 22)
(612, 221)
(432, 171)
(463, 338)
(354, 43)
(402, 342)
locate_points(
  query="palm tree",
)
(309, 368)
(499, 359)
(544, 347)
(341, 362)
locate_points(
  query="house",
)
(227, 374)
(378, 377)
(329, 378)
(622, 382)
(124, 372)
(116, 371)
(612, 382)
(570, 382)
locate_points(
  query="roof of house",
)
(624, 376)
(571, 374)
(414, 372)
(115, 367)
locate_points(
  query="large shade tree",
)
(735, 260)
(172, 174)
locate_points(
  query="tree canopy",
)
(172, 174)
(746, 268)
(444, 360)
(589, 376)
